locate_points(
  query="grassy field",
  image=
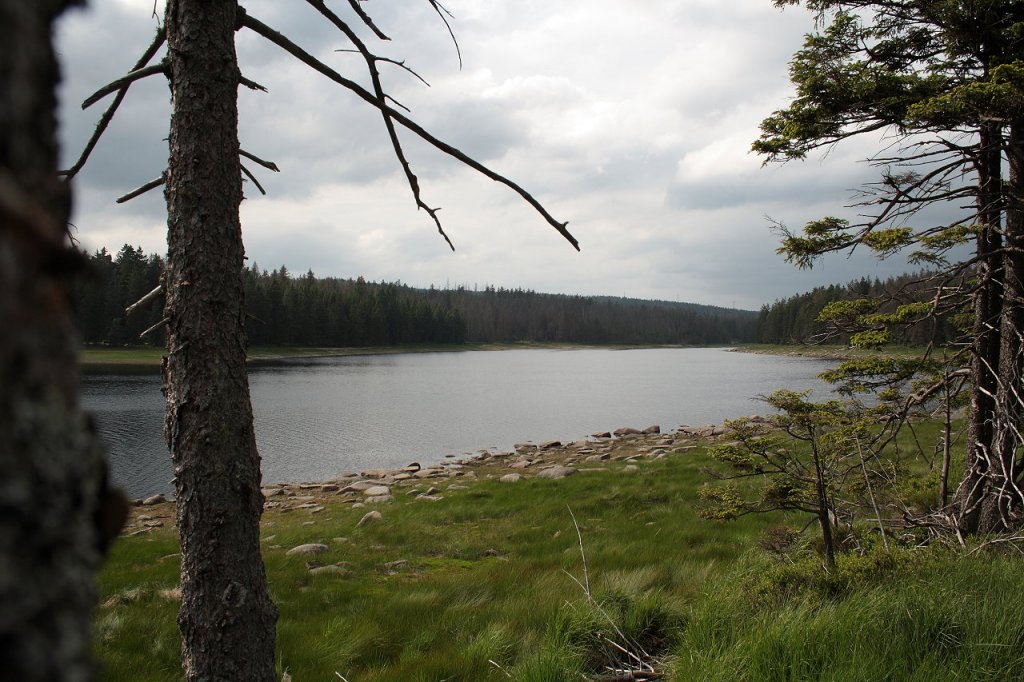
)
(545, 580)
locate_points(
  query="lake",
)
(317, 418)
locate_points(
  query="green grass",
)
(492, 578)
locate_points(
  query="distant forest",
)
(795, 319)
(309, 311)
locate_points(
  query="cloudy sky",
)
(630, 119)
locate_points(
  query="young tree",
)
(55, 515)
(944, 79)
(804, 459)
(227, 618)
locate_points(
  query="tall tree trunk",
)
(227, 618)
(1003, 500)
(51, 464)
(984, 362)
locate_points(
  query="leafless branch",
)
(399, 63)
(252, 177)
(108, 115)
(123, 82)
(152, 184)
(285, 44)
(144, 300)
(155, 327)
(441, 12)
(269, 165)
(251, 84)
(367, 20)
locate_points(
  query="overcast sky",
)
(630, 119)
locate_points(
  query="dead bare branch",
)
(155, 327)
(253, 24)
(251, 84)
(367, 20)
(252, 177)
(123, 82)
(108, 115)
(441, 12)
(152, 184)
(144, 300)
(269, 165)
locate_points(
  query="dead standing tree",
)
(227, 617)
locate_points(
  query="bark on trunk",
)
(51, 464)
(227, 618)
(1002, 504)
(984, 362)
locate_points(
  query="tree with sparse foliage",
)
(944, 81)
(803, 458)
(227, 618)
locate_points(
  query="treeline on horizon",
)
(282, 309)
(794, 320)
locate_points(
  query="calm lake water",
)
(318, 418)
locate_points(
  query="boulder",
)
(380, 499)
(411, 467)
(511, 478)
(625, 431)
(550, 444)
(556, 472)
(340, 570)
(308, 549)
(377, 491)
(651, 430)
(601, 434)
(154, 499)
(370, 517)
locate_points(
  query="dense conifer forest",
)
(795, 319)
(283, 309)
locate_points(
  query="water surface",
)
(321, 417)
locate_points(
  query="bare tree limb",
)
(252, 177)
(155, 327)
(441, 12)
(123, 82)
(144, 300)
(366, 19)
(152, 184)
(251, 84)
(269, 165)
(287, 45)
(108, 115)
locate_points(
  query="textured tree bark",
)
(1002, 504)
(51, 464)
(227, 618)
(984, 364)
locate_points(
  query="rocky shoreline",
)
(378, 487)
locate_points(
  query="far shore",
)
(146, 359)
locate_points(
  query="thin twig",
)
(108, 115)
(367, 20)
(156, 326)
(251, 84)
(123, 82)
(269, 165)
(152, 184)
(144, 300)
(252, 177)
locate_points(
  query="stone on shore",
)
(154, 499)
(625, 431)
(511, 478)
(377, 491)
(370, 517)
(556, 472)
(307, 550)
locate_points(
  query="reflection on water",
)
(317, 418)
